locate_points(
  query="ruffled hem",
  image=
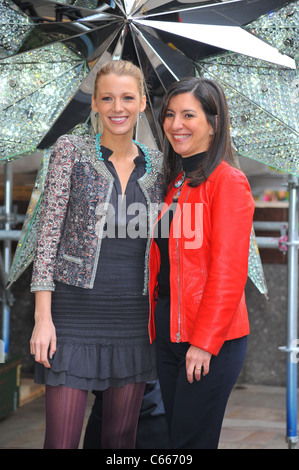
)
(82, 383)
(97, 367)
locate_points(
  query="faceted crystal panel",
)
(263, 98)
(37, 85)
(14, 28)
(263, 110)
(255, 267)
(279, 29)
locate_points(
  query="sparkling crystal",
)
(255, 268)
(14, 28)
(280, 29)
(262, 98)
(37, 85)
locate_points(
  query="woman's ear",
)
(142, 104)
(94, 104)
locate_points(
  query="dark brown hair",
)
(213, 102)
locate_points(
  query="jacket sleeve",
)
(232, 208)
(52, 214)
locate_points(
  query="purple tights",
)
(65, 411)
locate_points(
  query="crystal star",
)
(163, 37)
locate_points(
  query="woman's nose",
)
(117, 105)
(177, 123)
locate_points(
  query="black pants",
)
(194, 412)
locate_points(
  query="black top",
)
(161, 234)
(121, 262)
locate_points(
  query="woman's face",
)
(186, 126)
(118, 103)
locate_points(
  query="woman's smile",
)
(119, 120)
(180, 137)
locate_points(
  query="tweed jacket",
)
(73, 213)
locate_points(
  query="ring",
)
(198, 368)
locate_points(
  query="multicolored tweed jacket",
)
(73, 213)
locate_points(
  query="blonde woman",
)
(90, 268)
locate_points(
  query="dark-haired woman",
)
(198, 264)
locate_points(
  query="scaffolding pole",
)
(7, 254)
(288, 243)
(292, 328)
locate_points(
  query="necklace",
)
(148, 162)
(179, 185)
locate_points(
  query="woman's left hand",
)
(197, 363)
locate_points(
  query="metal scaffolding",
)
(288, 242)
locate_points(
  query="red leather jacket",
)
(208, 252)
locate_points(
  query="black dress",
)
(102, 333)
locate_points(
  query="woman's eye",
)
(128, 98)
(106, 98)
(169, 115)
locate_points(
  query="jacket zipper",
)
(178, 334)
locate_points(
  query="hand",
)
(197, 363)
(43, 341)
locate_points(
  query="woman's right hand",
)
(43, 339)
